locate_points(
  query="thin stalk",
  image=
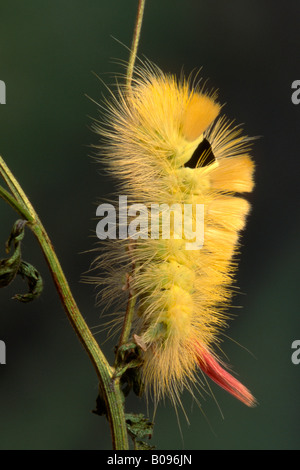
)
(18, 200)
(112, 395)
(135, 41)
(22, 211)
(132, 58)
(129, 315)
(15, 188)
(126, 329)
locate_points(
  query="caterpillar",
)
(165, 143)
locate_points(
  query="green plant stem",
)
(112, 395)
(133, 53)
(18, 201)
(16, 189)
(127, 320)
(135, 41)
(22, 211)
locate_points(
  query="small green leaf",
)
(17, 234)
(100, 409)
(35, 282)
(141, 445)
(14, 265)
(139, 426)
(8, 270)
(9, 267)
(128, 369)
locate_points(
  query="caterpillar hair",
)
(166, 143)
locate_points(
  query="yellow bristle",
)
(150, 133)
(200, 112)
(234, 174)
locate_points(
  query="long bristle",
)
(150, 133)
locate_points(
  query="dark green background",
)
(249, 50)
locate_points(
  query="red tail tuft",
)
(212, 368)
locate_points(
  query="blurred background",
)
(49, 55)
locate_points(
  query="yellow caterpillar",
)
(166, 144)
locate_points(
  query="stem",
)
(20, 203)
(135, 41)
(133, 53)
(112, 395)
(126, 329)
(128, 320)
(22, 211)
(15, 188)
